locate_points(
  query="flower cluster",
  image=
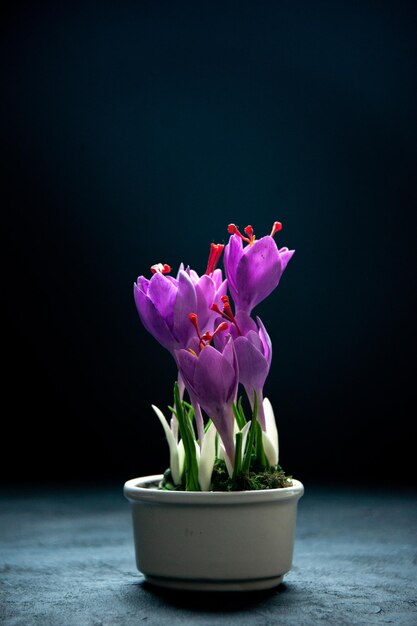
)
(216, 347)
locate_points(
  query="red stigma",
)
(216, 250)
(160, 268)
(215, 308)
(220, 328)
(207, 337)
(227, 312)
(277, 226)
(233, 230)
(194, 321)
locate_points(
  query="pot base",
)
(258, 584)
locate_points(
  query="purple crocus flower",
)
(164, 304)
(254, 354)
(211, 377)
(253, 271)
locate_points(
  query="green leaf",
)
(207, 426)
(239, 415)
(238, 458)
(188, 438)
(259, 446)
(250, 443)
(241, 411)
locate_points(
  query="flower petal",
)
(271, 425)
(143, 284)
(185, 304)
(205, 292)
(269, 450)
(187, 364)
(258, 273)
(152, 320)
(173, 448)
(245, 322)
(266, 341)
(253, 367)
(232, 255)
(229, 353)
(285, 255)
(163, 293)
(215, 379)
(245, 431)
(207, 458)
(217, 277)
(181, 456)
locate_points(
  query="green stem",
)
(188, 438)
(238, 458)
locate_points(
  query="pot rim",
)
(140, 490)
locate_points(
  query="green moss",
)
(253, 480)
(272, 478)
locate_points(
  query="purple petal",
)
(163, 293)
(232, 254)
(221, 290)
(266, 341)
(193, 275)
(185, 304)
(258, 273)
(187, 363)
(245, 322)
(205, 290)
(212, 380)
(285, 255)
(217, 278)
(254, 339)
(253, 367)
(230, 355)
(143, 284)
(207, 287)
(215, 380)
(152, 320)
(221, 338)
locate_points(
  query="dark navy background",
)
(133, 133)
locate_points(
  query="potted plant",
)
(222, 516)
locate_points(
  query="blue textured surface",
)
(67, 559)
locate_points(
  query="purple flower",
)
(164, 303)
(253, 271)
(211, 377)
(254, 354)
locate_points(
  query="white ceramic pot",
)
(218, 541)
